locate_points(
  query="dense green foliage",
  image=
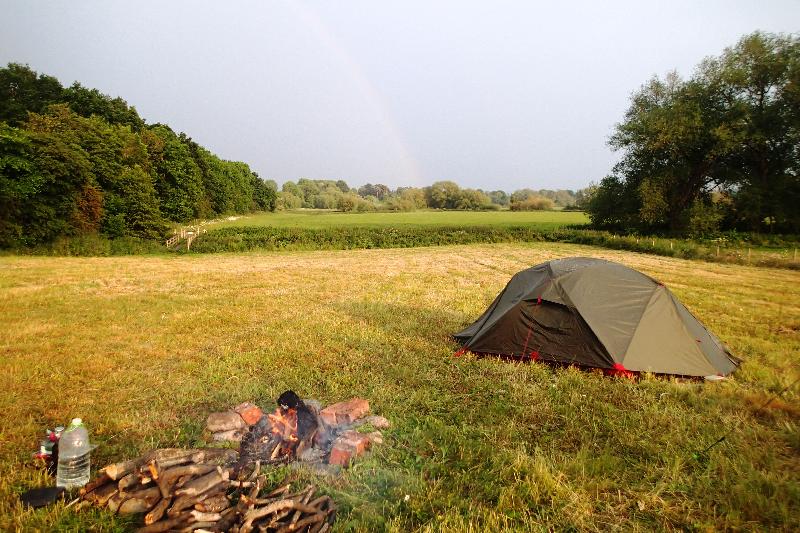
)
(75, 162)
(774, 251)
(329, 194)
(720, 150)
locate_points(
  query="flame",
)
(284, 425)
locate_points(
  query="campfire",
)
(283, 435)
(299, 430)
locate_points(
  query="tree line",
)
(717, 151)
(75, 161)
(337, 194)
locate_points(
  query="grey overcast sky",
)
(492, 95)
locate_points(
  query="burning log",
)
(191, 490)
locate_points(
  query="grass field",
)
(143, 348)
(317, 219)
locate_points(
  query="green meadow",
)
(319, 219)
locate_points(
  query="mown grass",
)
(144, 347)
(318, 219)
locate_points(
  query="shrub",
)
(533, 203)
(704, 220)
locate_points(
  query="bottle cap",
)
(77, 421)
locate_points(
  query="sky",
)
(492, 95)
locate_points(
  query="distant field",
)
(317, 219)
(143, 348)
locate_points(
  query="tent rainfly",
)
(600, 314)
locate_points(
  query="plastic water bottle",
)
(73, 456)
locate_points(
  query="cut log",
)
(257, 513)
(197, 526)
(157, 512)
(117, 470)
(164, 525)
(101, 495)
(203, 484)
(169, 457)
(200, 516)
(128, 481)
(254, 514)
(218, 456)
(115, 501)
(163, 455)
(154, 468)
(100, 480)
(213, 504)
(229, 517)
(140, 501)
(274, 522)
(185, 502)
(168, 478)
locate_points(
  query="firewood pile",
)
(204, 490)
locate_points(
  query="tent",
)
(600, 314)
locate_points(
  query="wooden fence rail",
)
(189, 233)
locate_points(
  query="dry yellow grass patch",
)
(143, 348)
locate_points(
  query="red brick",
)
(347, 447)
(250, 413)
(356, 440)
(341, 455)
(345, 412)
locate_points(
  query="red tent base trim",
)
(619, 370)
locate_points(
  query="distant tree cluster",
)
(720, 150)
(329, 194)
(75, 161)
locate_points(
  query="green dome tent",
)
(596, 313)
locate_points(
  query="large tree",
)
(761, 77)
(732, 126)
(23, 90)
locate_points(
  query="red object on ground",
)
(250, 413)
(348, 446)
(344, 412)
(619, 370)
